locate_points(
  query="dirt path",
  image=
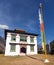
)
(23, 60)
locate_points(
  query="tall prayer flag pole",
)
(41, 25)
(42, 32)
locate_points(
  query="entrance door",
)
(23, 50)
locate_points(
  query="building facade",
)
(19, 42)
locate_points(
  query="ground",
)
(26, 60)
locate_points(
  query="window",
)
(12, 48)
(31, 48)
(32, 39)
(13, 37)
(23, 38)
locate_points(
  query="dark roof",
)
(19, 32)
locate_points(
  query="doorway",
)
(23, 50)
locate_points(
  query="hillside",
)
(2, 45)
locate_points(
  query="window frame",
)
(31, 48)
(13, 37)
(23, 40)
(32, 39)
(12, 49)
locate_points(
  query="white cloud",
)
(3, 26)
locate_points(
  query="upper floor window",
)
(32, 39)
(13, 37)
(23, 38)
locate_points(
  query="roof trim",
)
(18, 32)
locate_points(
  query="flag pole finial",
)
(40, 5)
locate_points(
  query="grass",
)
(26, 60)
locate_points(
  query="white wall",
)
(35, 47)
(28, 46)
(7, 49)
(8, 40)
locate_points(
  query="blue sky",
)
(23, 14)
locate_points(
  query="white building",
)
(19, 42)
